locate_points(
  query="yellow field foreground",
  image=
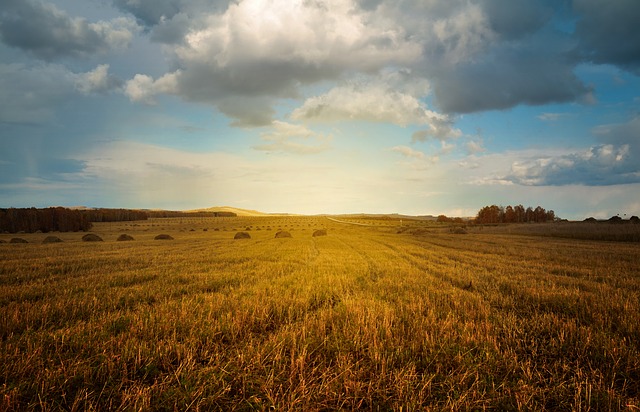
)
(363, 318)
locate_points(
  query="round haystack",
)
(90, 237)
(18, 240)
(52, 239)
(319, 232)
(242, 235)
(634, 219)
(124, 238)
(282, 234)
(163, 237)
(591, 220)
(615, 219)
(459, 231)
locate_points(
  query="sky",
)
(322, 106)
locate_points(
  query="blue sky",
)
(327, 106)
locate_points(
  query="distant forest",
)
(60, 219)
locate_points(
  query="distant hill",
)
(386, 216)
(237, 211)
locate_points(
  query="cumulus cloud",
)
(244, 56)
(267, 50)
(293, 138)
(143, 88)
(597, 166)
(97, 81)
(49, 33)
(372, 103)
(490, 55)
(616, 161)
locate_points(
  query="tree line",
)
(53, 219)
(514, 214)
(60, 219)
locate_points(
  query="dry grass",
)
(362, 319)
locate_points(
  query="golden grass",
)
(364, 318)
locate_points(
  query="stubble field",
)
(363, 318)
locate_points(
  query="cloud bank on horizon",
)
(310, 106)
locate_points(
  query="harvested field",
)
(366, 318)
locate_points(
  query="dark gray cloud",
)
(150, 12)
(33, 94)
(506, 78)
(516, 18)
(616, 161)
(30, 95)
(49, 33)
(608, 32)
(157, 12)
(247, 111)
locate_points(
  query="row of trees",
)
(53, 219)
(514, 214)
(60, 219)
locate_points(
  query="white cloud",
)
(393, 97)
(439, 129)
(267, 50)
(293, 138)
(143, 88)
(96, 81)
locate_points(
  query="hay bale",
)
(242, 235)
(18, 240)
(590, 220)
(459, 231)
(163, 237)
(3, 241)
(320, 232)
(52, 239)
(124, 238)
(634, 219)
(90, 237)
(282, 234)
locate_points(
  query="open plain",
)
(379, 315)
